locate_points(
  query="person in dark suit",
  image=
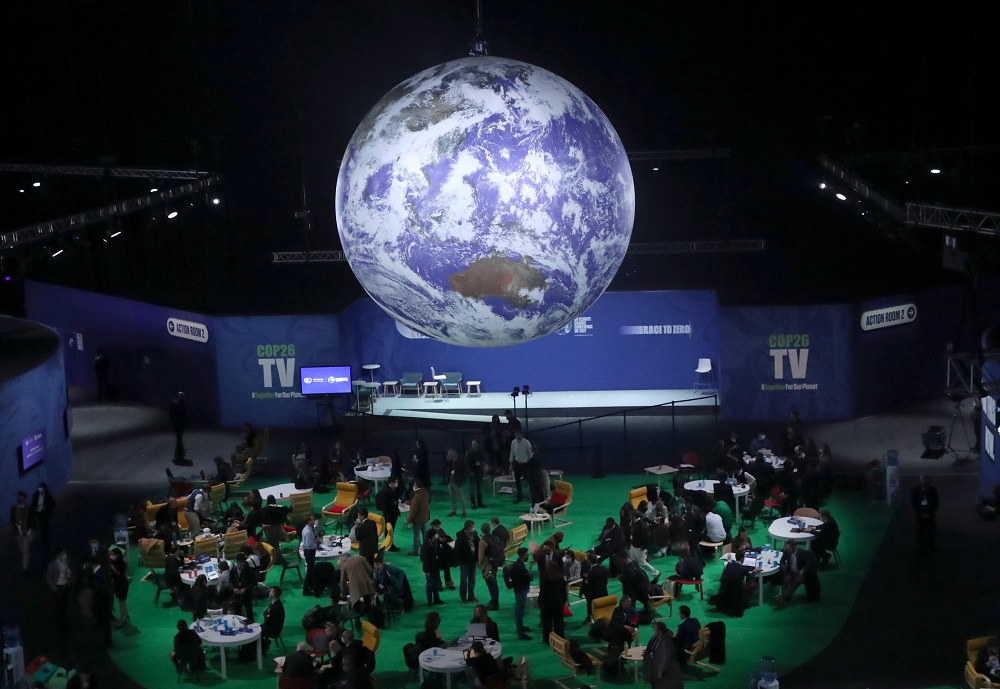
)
(623, 623)
(274, 616)
(244, 580)
(827, 535)
(188, 654)
(611, 540)
(659, 660)
(300, 663)
(924, 500)
(387, 501)
(366, 534)
(521, 577)
(797, 567)
(687, 633)
(500, 531)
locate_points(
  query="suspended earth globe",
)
(485, 202)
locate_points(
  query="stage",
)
(548, 405)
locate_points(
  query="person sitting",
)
(188, 655)
(761, 442)
(689, 568)
(735, 585)
(687, 633)
(430, 637)
(485, 668)
(166, 521)
(611, 541)
(988, 659)
(827, 536)
(305, 476)
(172, 568)
(742, 540)
(198, 597)
(299, 664)
(797, 567)
(624, 622)
(481, 616)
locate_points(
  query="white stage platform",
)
(480, 408)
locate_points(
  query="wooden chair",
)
(342, 506)
(701, 650)
(657, 602)
(452, 383)
(518, 535)
(241, 478)
(601, 608)
(151, 510)
(232, 543)
(560, 647)
(699, 584)
(152, 553)
(806, 512)
(372, 637)
(217, 494)
(973, 679)
(205, 546)
(387, 542)
(411, 381)
(560, 500)
(636, 496)
(711, 544)
(302, 507)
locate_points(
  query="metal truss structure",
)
(98, 171)
(46, 230)
(707, 247)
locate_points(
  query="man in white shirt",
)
(714, 531)
(309, 551)
(520, 455)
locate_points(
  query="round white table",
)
(771, 564)
(448, 661)
(330, 547)
(739, 490)
(535, 521)
(781, 529)
(189, 575)
(282, 491)
(634, 655)
(211, 634)
(376, 473)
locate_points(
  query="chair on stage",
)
(411, 382)
(452, 383)
(703, 371)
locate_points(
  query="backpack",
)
(495, 551)
(508, 576)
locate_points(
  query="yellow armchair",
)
(636, 496)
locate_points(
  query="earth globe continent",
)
(485, 202)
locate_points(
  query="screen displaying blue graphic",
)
(32, 450)
(325, 380)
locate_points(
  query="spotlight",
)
(841, 197)
(216, 201)
(822, 185)
(516, 392)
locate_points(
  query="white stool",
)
(553, 473)
(394, 384)
(473, 384)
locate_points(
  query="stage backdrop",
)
(779, 358)
(153, 351)
(626, 341)
(259, 360)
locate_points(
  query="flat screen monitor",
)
(32, 451)
(325, 380)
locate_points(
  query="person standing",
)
(552, 597)
(467, 554)
(101, 601)
(23, 520)
(422, 462)
(274, 616)
(309, 543)
(178, 421)
(59, 578)
(520, 577)
(43, 505)
(659, 661)
(925, 506)
(119, 584)
(244, 580)
(429, 557)
(520, 455)
(387, 501)
(475, 461)
(487, 564)
(419, 514)
(457, 472)
(366, 535)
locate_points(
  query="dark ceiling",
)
(268, 94)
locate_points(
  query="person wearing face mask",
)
(23, 520)
(43, 505)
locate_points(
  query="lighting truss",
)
(98, 171)
(34, 233)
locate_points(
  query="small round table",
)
(282, 491)
(210, 635)
(448, 661)
(371, 368)
(330, 547)
(188, 576)
(739, 490)
(634, 655)
(536, 520)
(771, 565)
(782, 530)
(376, 473)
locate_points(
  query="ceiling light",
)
(153, 190)
(57, 252)
(935, 171)
(822, 185)
(216, 200)
(36, 184)
(656, 169)
(841, 197)
(171, 215)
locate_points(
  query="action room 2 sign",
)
(775, 359)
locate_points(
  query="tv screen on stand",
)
(325, 380)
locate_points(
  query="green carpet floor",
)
(793, 635)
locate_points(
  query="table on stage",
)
(448, 661)
(211, 633)
(786, 529)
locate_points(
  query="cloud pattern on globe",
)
(485, 202)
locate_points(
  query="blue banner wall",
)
(626, 341)
(259, 360)
(153, 351)
(779, 358)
